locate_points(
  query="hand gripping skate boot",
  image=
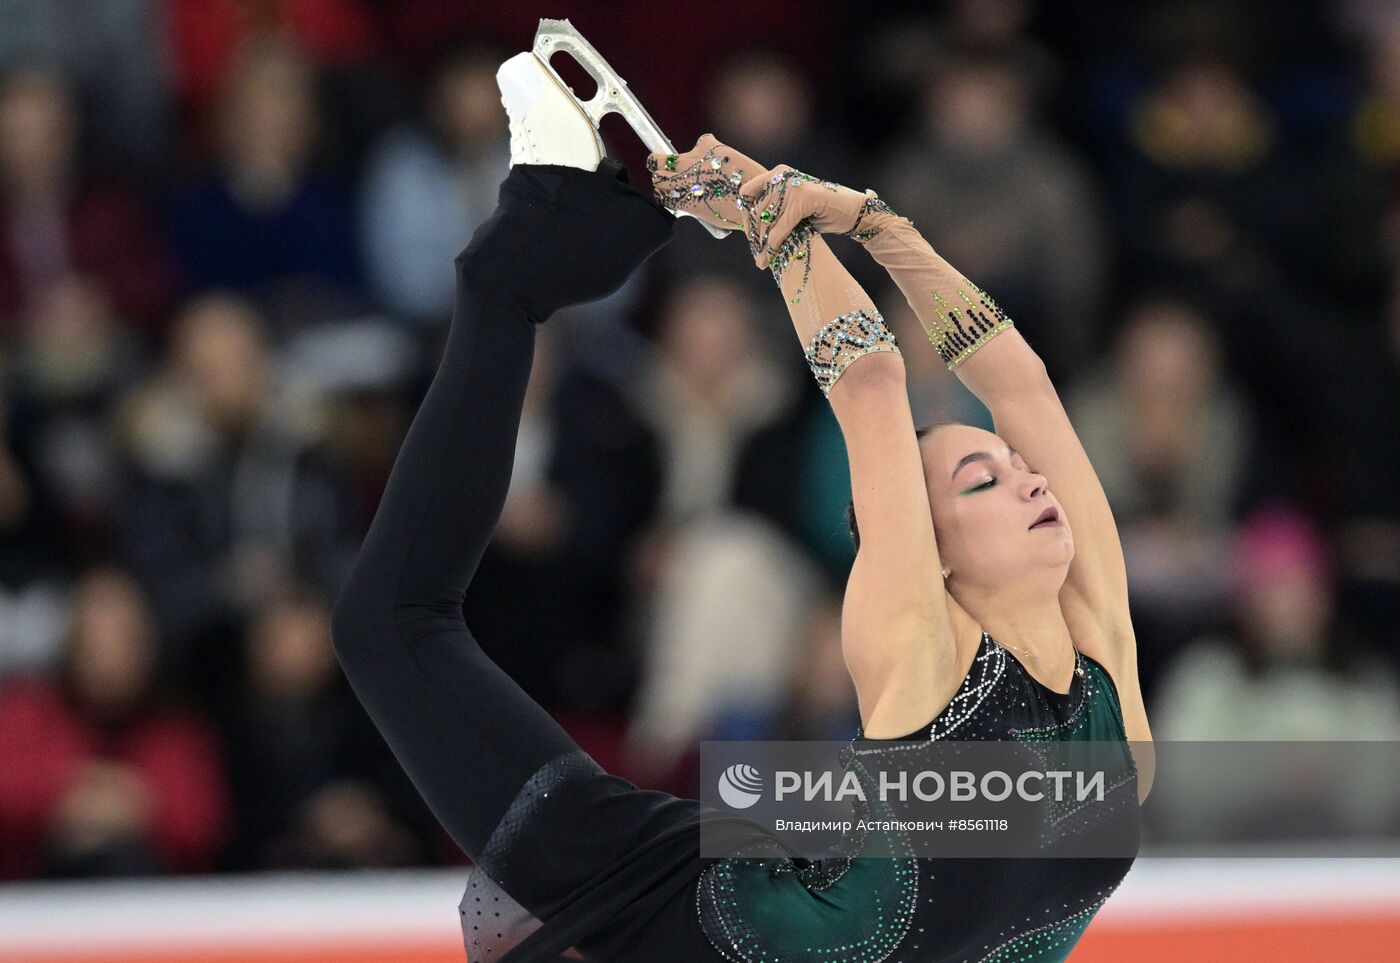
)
(550, 125)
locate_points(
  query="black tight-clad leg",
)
(478, 749)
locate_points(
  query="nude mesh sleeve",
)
(958, 316)
(834, 317)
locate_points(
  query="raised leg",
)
(475, 745)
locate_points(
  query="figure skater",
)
(970, 603)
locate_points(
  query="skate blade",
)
(613, 94)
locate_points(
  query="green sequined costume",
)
(842, 910)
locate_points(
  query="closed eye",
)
(986, 484)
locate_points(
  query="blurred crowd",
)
(226, 240)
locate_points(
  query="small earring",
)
(946, 573)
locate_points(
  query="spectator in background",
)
(265, 219)
(805, 446)
(307, 768)
(207, 39)
(73, 360)
(1003, 27)
(761, 99)
(112, 50)
(232, 494)
(896, 54)
(104, 773)
(1171, 440)
(365, 426)
(57, 218)
(1001, 198)
(701, 399)
(818, 701)
(430, 184)
(793, 473)
(724, 590)
(1198, 195)
(32, 578)
(1287, 667)
(1338, 229)
(585, 483)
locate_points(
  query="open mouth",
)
(1048, 519)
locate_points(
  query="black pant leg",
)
(474, 744)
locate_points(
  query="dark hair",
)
(851, 527)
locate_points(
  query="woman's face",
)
(37, 133)
(270, 114)
(112, 652)
(1286, 614)
(984, 500)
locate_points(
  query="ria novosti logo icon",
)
(740, 786)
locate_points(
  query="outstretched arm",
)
(897, 629)
(894, 606)
(979, 343)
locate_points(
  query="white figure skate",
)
(548, 122)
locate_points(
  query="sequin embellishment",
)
(702, 183)
(751, 914)
(1036, 943)
(495, 855)
(988, 668)
(879, 910)
(797, 246)
(842, 340)
(962, 330)
(873, 205)
(771, 200)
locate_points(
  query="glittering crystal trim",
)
(767, 206)
(1032, 943)
(720, 914)
(1074, 722)
(1090, 679)
(1058, 826)
(796, 247)
(873, 205)
(842, 340)
(523, 809)
(702, 183)
(988, 669)
(960, 331)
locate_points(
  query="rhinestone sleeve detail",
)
(704, 183)
(959, 316)
(797, 247)
(962, 329)
(863, 230)
(844, 339)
